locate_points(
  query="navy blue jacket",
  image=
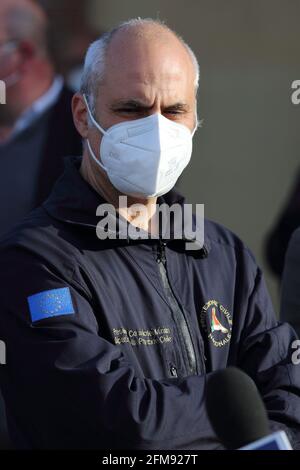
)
(109, 343)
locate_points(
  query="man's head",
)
(24, 61)
(138, 69)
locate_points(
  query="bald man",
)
(36, 126)
(112, 323)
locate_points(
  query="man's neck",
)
(138, 212)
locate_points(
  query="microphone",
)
(238, 414)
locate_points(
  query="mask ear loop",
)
(92, 117)
(87, 140)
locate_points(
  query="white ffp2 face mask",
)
(143, 157)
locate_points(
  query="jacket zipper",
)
(177, 310)
(173, 371)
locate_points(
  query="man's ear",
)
(80, 115)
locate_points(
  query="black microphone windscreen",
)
(235, 409)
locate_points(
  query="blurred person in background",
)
(70, 26)
(278, 239)
(36, 126)
(290, 294)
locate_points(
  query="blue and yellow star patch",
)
(50, 303)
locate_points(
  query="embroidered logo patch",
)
(50, 303)
(216, 321)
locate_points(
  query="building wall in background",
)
(247, 153)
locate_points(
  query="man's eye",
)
(173, 111)
(129, 110)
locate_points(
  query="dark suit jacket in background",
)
(62, 140)
(279, 237)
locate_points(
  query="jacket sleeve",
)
(68, 387)
(266, 354)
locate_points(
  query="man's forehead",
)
(144, 78)
(147, 68)
(147, 78)
(146, 91)
(151, 56)
(141, 67)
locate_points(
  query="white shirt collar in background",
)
(39, 106)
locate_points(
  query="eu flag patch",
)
(50, 303)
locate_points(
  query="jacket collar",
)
(74, 201)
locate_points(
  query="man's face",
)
(144, 75)
(153, 76)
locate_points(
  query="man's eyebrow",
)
(131, 103)
(177, 107)
(138, 104)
